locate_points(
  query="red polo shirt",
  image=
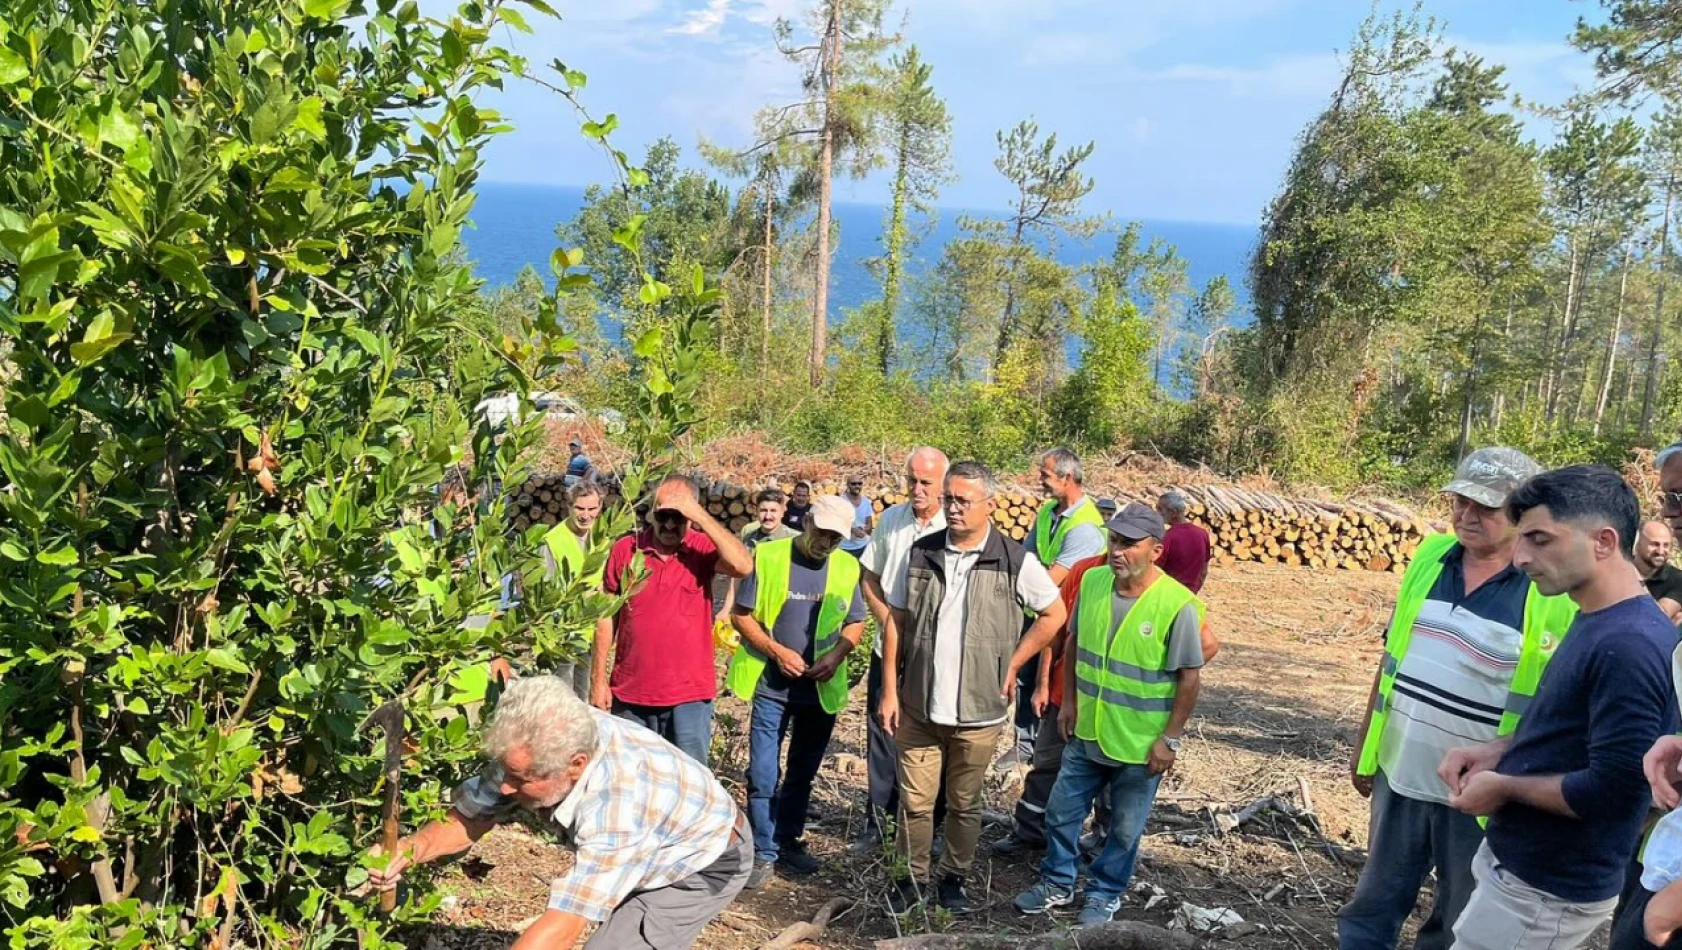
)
(1185, 554)
(662, 637)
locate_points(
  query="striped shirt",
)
(642, 815)
(1454, 680)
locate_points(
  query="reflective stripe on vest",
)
(1546, 622)
(1129, 694)
(771, 564)
(1049, 544)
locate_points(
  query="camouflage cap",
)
(1488, 476)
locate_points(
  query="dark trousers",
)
(1027, 723)
(689, 726)
(779, 799)
(1041, 778)
(882, 759)
(1409, 838)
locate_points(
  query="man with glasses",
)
(949, 669)
(660, 641)
(1463, 654)
(864, 518)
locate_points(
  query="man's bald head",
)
(925, 473)
(1653, 546)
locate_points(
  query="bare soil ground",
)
(1279, 707)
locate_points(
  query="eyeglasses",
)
(669, 517)
(1460, 503)
(1670, 502)
(961, 503)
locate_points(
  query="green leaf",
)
(576, 80)
(309, 118)
(648, 344)
(12, 67)
(10, 549)
(58, 557)
(224, 659)
(116, 128)
(513, 18)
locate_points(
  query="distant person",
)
(884, 562)
(1464, 649)
(798, 504)
(767, 525)
(1133, 685)
(1652, 562)
(1067, 530)
(800, 614)
(659, 646)
(566, 544)
(1566, 794)
(952, 655)
(578, 466)
(864, 518)
(1185, 549)
(659, 847)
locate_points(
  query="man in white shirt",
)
(884, 561)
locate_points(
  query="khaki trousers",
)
(926, 753)
(1505, 913)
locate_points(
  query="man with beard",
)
(659, 847)
(1565, 794)
(1652, 561)
(1128, 693)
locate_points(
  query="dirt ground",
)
(1276, 718)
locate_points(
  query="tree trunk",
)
(1655, 344)
(1573, 291)
(1007, 323)
(765, 286)
(826, 167)
(1470, 393)
(1612, 345)
(893, 265)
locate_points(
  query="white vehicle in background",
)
(502, 409)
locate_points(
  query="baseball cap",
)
(1136, 521)
(1489, 475)
(832, 513)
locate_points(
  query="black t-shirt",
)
(1666, 582)
(795, 515)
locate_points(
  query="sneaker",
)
(1098, 910)
(903, 894)
(1010, 846)
(793, 858)
(952, 896)
(758, 876)
(1043, 897)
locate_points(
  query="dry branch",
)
(806, 929)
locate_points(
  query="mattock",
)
(389, 720)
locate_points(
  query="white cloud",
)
(705, 21)
(1304, 75)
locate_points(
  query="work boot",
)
(953, 897)
(869, 841)
(758, 876)
(903, 894)
(795, 860)
(1011, 846)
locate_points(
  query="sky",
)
(1194, 105)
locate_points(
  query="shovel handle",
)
(388, 899)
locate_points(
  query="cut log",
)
(807, 929)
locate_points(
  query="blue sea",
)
(515, 226)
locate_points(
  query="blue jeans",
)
(777, 802)
(1132, 789)
(1407, 839)
(689, 726)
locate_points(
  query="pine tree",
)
(919, 134)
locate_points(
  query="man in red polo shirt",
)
(661, 640)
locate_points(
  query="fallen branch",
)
(806, 929)
(1115, 935)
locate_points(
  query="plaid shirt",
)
(643, 815)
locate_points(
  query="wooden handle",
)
(388, 899)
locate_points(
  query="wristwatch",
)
(1172, 742)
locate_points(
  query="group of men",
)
(1526, 674)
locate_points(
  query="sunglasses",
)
(671, 518)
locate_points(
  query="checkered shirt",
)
(643, 815)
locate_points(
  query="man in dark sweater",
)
(1565, 794)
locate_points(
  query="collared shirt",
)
(663, 635)
(641, 816)
(889, 552)
(1034, 591)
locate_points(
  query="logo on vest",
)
(1548, 642)
(1146, 629)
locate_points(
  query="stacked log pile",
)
(1244, 525)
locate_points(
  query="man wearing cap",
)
(1132, 685)
(660, 642)
(578, 466)
(1463, 654)
(800, 613)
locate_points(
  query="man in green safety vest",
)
(1463, 653)
(1067, 530)
(1133, 683)
(564, 546)
(800, 612)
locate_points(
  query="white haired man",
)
(659, 846)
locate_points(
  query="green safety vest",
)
(771, 562)
(1126, 693)
(1546, 621)
(1047, 543)
(563, 544)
